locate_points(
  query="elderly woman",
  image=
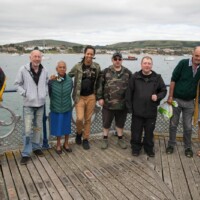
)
(61, 106)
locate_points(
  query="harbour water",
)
(11, 64)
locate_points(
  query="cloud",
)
(98, 22)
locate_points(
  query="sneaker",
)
(150, 153)
(169, 150)
(122, 143)
(189, 153)
(104, 144)
(24, 160)
(86, 144)
(38, 152)
(78, 138)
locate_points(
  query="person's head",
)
(61, 68)
(117, 59)
(36, 58)
(196, 56)
(146, 65)
(89, 53)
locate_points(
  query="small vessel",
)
(130, 58)
(169, 58)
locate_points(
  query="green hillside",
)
(172, 44)
(44, 42)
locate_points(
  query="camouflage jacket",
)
(112, 87)
(77, 73)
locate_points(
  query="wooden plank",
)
(130, 177)
(29, 184)
(39, 184)
(11, 190)
(63, 177)
(158, 161)
(174, 176)
(89, 160)
(151, 173)
(46, 179)
(97, 189)
(189, 166)
(19, 185)
(90, 164)
(55, 180)
(165, 165)
(181, 176)
(66, 166)
(3, 193)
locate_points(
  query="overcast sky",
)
(99, 22)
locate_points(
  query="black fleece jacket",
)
(139, 92)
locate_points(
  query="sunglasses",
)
(115, 59)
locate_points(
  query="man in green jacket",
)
(85, 75)
(183, 88)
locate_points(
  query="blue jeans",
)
(33, 117)
(187, 109)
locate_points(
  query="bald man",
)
(32, 84)
(182, 89)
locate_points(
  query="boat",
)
(169, 58)
(130, 58)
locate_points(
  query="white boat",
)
(169, 58)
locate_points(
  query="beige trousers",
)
(84, 110)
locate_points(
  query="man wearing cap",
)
(111, 91)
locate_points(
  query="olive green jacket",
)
(77, 73)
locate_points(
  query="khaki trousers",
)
(84, 110)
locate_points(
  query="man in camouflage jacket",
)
(111, 91)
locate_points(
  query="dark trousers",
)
(138, 125)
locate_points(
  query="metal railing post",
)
(45, 144)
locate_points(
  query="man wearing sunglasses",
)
(111, 91)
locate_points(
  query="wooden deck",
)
(102, 174)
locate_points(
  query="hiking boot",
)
(122, 143)
(24, 160)
(189, 153)
(169, 150)
(104, 144)
(38, 152)
(86, 144)
(78, 138)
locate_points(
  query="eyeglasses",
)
(115, 59)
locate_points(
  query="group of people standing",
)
(117, 90)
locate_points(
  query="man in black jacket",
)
(145, 91)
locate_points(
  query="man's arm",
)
(19, 82)
(171, 92)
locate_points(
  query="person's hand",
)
(154, 97)
(53, 77)
(169, 100)
(101, 102)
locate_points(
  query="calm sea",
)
(12, 63)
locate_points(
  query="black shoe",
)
(169, 150)
(135, 153)
(38, 152)
(86, 144)
(78, 138)
(189, 152)
(24, 160)
(150, 153)
(69, 150)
